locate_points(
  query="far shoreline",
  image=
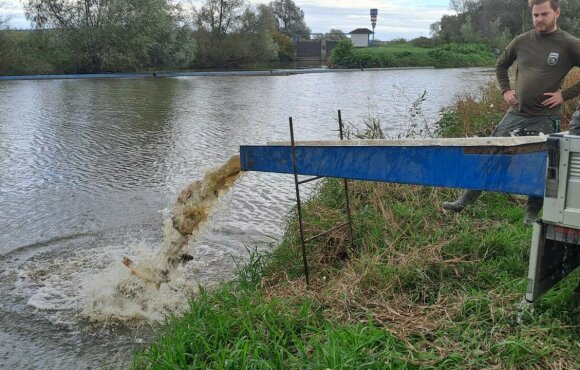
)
(268, 72)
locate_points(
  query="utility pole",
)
(374, 14)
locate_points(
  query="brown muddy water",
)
(90, 171)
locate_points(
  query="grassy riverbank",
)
(422, 289)
(406, 55)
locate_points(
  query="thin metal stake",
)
(296, 183)
(347, 199)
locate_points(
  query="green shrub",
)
(343, 53)
(462, 55)
(422, 42)
(286, 49)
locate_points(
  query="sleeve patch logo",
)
(553, 58)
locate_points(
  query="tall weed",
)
(414, 124)
(473, 114)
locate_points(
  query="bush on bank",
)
(422, 288)
(464, 55)
(408, 55)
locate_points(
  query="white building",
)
(360, 37)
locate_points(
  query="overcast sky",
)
(408, 19)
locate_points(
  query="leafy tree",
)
(570, 19)
(435, 30)
(257, 27)
(397, 41)
(343, 53)
(423, 42)
(4, 48)
(4, 19)
(246, 39)
(495, 21)
(468, 32)
(219, 16)
(492, 17)
(449, 28)
(335, 34)
(286, 48)
(258, 20)
(290, 18)
(462, 6)
(115, 35)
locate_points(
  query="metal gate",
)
(309, 49)
(314, 49)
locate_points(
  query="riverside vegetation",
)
(409, 55)
(92, 36)
(422, 289)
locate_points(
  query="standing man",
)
(544, 56)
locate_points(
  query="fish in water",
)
(190, 211)
(148, 275)
(156, 276)
(182, 259)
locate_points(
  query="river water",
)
(89, 169)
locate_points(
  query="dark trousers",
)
(517, 124)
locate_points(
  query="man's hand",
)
(554, 99)
(510, 97)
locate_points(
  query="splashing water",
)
(157, 284)
(196, 201)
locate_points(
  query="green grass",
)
(423, 290)
(407, 55)
(228, 329)
(396, 56)
(462, 55)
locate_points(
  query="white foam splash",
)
(153, 285)
(116, 295)
(51, 299)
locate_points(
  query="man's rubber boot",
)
(467, 198)
(533, 209)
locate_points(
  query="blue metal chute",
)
(511, 165)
